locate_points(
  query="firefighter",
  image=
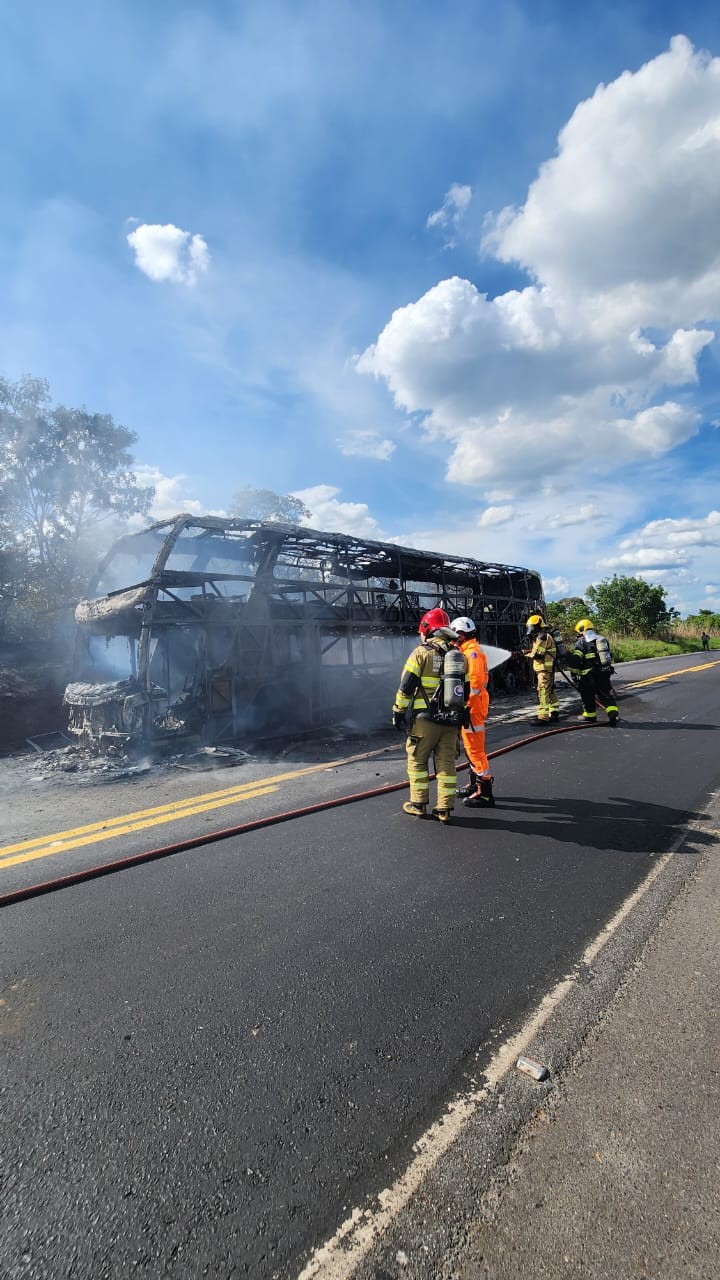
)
(540, 648)
(478, 792)
(591, 660)
(433, 727)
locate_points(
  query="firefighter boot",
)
(472, 782)
(442, 815)
(415, 810)
(482, 796)
(486, 792)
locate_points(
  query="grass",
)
(626, 649)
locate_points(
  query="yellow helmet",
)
(535, 621)
(583, 625)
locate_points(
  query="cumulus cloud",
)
(495, 515)
(171, 495)
(168, 253)
(556, 588)
(610, 210)
(329, 513)
(451, 213)
(366, 444)
(680, 554)
(588, 365)
(647, 558)
(703, 531)
(575, 515)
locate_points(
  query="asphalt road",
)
(209, 1060)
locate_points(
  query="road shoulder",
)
(618, 1175)
(609, 1168)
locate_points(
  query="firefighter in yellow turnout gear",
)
(433, 727)
(542, 653)
(478, 792)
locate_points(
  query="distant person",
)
(591, 661)
(478, 792)
(705, 640)
(433, 726)
(540, 649)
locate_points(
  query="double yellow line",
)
(668, 675)
(13, 855)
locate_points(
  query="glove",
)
(465, 720)
(399, 721)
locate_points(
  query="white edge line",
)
(339, 1256)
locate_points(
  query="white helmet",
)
(463, 626)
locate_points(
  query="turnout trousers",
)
(439, 740)
(586, 689)
(594, 685)
(547, 696)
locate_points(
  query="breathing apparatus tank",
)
(560, 647)
(453, 679)
(602, 648)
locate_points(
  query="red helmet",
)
(431, 620)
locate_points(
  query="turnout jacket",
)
(585, 654)
(542, 651)
(422, 673)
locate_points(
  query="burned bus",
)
(226, 630)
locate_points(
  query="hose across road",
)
(226, 833)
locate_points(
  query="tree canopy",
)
(565, 613)
(704, 619)
(264, 504)
(63, 473)
(629, 606)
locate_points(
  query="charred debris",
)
(208, 630)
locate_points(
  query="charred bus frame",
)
(224, 629)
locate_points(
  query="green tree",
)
(264, 504)
(63, 474)
(704, 620)
(565, 613)
(629, 606)
(13, 572)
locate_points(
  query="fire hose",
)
(226, 833)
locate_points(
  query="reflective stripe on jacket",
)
(421, 672)
(477, 674)
(543, 652)
(586, 654)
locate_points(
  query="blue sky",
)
(449, 272)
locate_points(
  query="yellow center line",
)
(176, 809)
(62, 846)
(109, 828)
(668, 675)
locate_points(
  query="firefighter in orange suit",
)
(432, 730)
(541, 650)
(478, 793)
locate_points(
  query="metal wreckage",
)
(226, 630)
